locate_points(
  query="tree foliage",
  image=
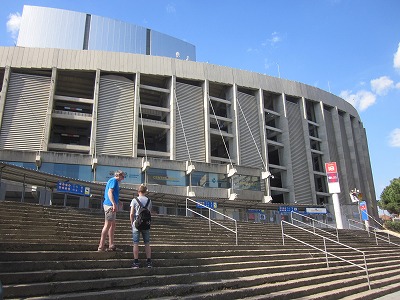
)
(390, 197)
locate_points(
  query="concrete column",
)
(3, 94)
(234, 150)
(44, 196)
(94, 115)
(206, 107)
(83, 202)
(172, 118)
(286, 160)
(47, 124)
(3, 190)
(338, 213)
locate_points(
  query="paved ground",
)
(394, 296)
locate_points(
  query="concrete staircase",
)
(50, 253)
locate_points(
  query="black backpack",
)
(143, 220)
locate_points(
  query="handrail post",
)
(209, 218)
(283, 234)
(366, 271)
(186, 207)
(236, 232)
(376, 238)
(337, 234)
(326, 253)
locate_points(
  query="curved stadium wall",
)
(89, 112)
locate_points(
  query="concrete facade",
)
(119, 110)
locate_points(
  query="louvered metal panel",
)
(190, 101)
(333, 150)
(115, 118)
(25, 112)
(331, 136)
(249, 133)
(346, 150)
(358, 153)
(302, 185)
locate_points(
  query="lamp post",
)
(356, 196)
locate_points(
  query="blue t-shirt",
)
(111, 184)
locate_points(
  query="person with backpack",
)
(140, 217)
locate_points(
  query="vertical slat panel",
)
(190, 101)
(333, 152)
(25, 112)
(346, 150)
(248, 111)
(301, 178)
(115, 118)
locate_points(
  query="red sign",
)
(332, 177)
(331, 167)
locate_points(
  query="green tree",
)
(390, 197)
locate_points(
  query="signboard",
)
(333, 177)
(287, 209)
(209, 204)
(364, 212)
(70, 188)
(316, 210)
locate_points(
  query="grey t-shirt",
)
(143, 200)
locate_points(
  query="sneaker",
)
(149, 265)
(135, 265)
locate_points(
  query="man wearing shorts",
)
(110, 205)
(136, 233)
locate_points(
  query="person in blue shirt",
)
(110, 206)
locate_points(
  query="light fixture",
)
(231, 170)
(189, 192)
(266, 175)
(38, 160)
(267, 199)
(145, 165)
(94, 162)
(233, 196)
(189, 168)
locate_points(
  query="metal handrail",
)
(313, 224)
(325, 249)
(357, 222)
(375, 231)
(209, 217)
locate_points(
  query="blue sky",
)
(350, 48)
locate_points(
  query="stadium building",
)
(83, 95)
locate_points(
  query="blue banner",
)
(70, 188)
(209, 204)
(287, 209)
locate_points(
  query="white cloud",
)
(13, 23)
(360, 100)
(171, 8)
(275, 38)
(394, 138)
(397, 86)
(381, 85)
(396, 59)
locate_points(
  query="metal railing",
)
(209, 217)
(379, 234)
(313, 221)
(325, 251)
